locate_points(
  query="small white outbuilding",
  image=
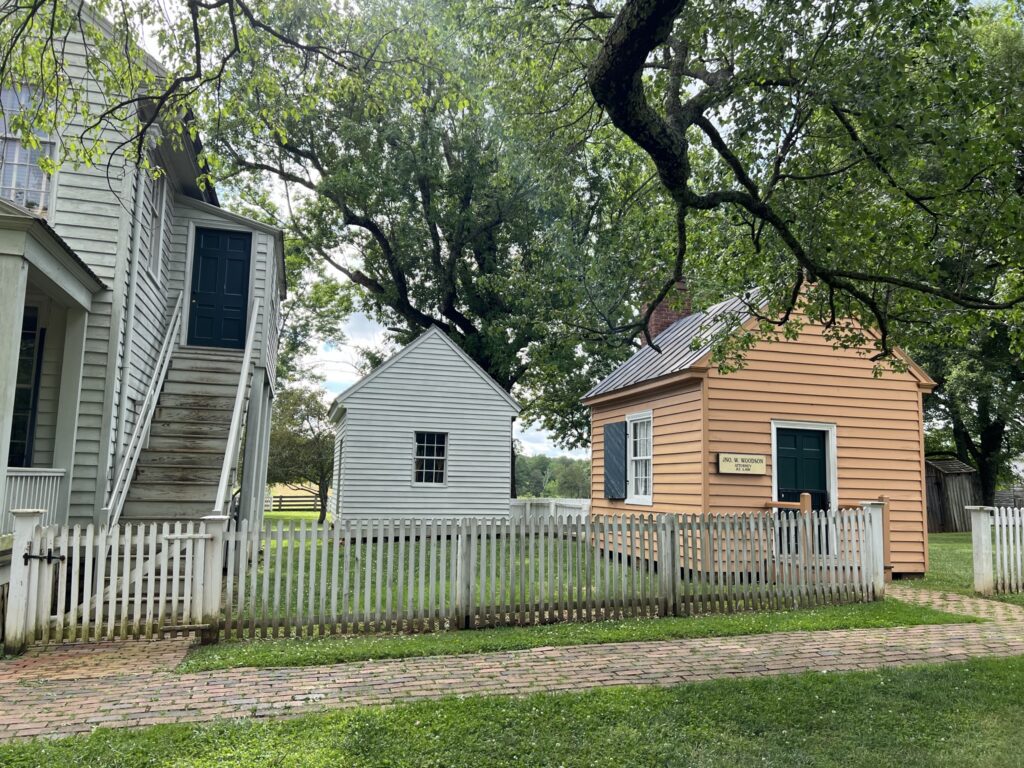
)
(427, 432)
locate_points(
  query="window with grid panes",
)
(22, 181)
(430, 458)
(639, 450)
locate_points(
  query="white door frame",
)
(831, 457)
(190, 245)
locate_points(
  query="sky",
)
(340, 368)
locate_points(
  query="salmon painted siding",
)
(879, 431)
(878, 425)
(676, 420)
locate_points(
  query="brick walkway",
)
(130, 684)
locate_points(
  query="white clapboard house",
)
(427, 433)
(138, 337)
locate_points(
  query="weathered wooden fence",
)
(78, 584)
(997, 535)
(401, 575)
(423, 575)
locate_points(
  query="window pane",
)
(429, 457)
(22, 181)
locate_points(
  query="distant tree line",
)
(559, 477)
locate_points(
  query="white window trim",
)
(831, 458)
(156, 239)
(648, 500)
(447, 457)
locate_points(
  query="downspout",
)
(129, 333)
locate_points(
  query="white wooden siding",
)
(92, 209)
(92, 212)
(264, 269)
(431, 388)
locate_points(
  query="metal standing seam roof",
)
(682, 344)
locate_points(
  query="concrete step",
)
(162, 443)
(173, 473)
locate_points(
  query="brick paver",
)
(73, 689)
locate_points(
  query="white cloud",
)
(339, 365)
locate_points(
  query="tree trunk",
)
(512, 492)
(989, 460)
(322, 492)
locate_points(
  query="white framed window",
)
(430, 460)
(639, 451)
(158, 199)
(22, 181)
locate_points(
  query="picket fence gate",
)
(411, 575)
(82, 583)
(997, 535)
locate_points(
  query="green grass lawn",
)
(951, 567)
(293, 652)
(962, 714)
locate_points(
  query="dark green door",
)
(801, 460)
(220, 289)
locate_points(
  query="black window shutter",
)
(615, 460)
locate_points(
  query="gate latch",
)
(49, 557)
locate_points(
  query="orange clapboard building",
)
(670, 433)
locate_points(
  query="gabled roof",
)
(430, 333)
(682, 345)
(950, 466)
(688, 340)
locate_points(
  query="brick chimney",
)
(675, 305)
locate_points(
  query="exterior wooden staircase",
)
(178, 470)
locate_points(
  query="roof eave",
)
(693, 373)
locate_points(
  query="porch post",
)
(67, 404)
(13, 279)
(260, 478)
(253, 440)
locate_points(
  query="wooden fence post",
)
(886, 537)
(463, 576)
(16, 623)
(876, 548)
(981, 539)
(668, 564)
(213, 578)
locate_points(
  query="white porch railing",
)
(140, 434)
(31, 488)
(238, 418)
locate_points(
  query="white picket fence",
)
(402, 575)
(997, 535)
(81, 584)
(547, 506)
(393, 575)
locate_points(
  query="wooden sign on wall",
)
(742, 464)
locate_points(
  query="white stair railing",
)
(126, 470)
(238, 417)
